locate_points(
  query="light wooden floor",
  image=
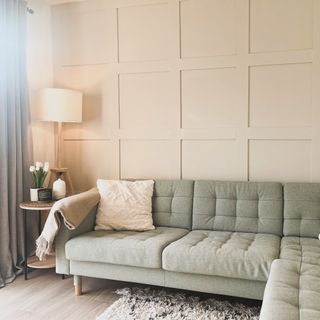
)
(45, 296)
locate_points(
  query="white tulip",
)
(38, 165)
(46, 167)
(32, 169)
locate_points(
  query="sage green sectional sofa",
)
(230, 238)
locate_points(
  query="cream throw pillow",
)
(125, 205)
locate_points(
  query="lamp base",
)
(62, 173)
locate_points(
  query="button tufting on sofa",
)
(227, 254)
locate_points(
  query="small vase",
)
(34, 194)
(59, 189)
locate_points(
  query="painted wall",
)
(191, 89)
(40, 75)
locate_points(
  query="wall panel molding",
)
(159, 98)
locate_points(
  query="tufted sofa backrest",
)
(238, 206)
(301, 209)
(172, 203)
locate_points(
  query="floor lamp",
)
(60, 105)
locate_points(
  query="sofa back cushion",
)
(301, 209)
(172, 203)
(238, 206)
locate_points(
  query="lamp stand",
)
(59, 141)
(59, 171)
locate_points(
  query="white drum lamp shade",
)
(60, 105)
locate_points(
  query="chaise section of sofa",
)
(293, 288)
(292, 292)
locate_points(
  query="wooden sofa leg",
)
(77, 281)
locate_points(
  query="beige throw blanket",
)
(73, 210)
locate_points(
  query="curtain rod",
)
(30, 10)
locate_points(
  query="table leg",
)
(25, 245)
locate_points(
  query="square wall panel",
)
(280, 25)
(85, 38)
(280, 160)
(209, 159)
(143, 32)
(280, 95)
(208, 28)
(149, 159)
(145, 100)
(209, 98)
(89, 161)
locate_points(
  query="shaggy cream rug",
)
(150, 304)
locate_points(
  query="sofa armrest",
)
(65, 234)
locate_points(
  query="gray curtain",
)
(14, 136)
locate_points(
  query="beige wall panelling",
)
(87, 33)
(143, 32)
(209, 98)
(85, 38)
(280, 25)
(280, 95)
(208, 28)
(84, 60)
(242, 42)
(282, 102)
(214, 88)
(209, 159)
(280, 160)
(144, 100)
(316, 95)
(89, 74)
(164, 110)
(154, 159)
(89, 160)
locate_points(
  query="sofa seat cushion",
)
(227, 254)
(292, 292)
(130, 248)
(300, 249)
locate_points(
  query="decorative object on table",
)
(139, 304)
(39, 173)
(59, 189)
(60, 105)
(125, 205)
(33, 262)
(45, 194)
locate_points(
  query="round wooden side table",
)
(33, 262)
